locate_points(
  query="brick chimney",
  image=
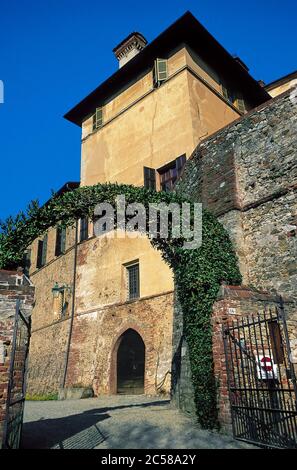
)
(129, 48)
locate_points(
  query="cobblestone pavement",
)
(116, 422)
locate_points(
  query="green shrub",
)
(49, 396)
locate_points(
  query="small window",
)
(228, 94)
(41, 252)
(234, 99)
(149, 178)
(84, 229)
(60, 241)
(133, 281)
(98, 118)
(160, 73)
(239, 103)
(170, 172)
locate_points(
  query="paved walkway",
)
(117, 422)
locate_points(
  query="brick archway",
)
(114, 349)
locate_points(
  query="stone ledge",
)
(75, 393)
(249, 293)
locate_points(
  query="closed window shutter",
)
(180, 162)
(63, 240)
(98, 118)
(84, 228)
(240, 105)
(39, 254)
(44, 250)
(155, 73)
(160, 71)
(225, 92)
(58, 242)
(149, 178)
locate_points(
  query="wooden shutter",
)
(239, 103)
(39, 254)
(225, 92)
(98, 118)
(180, 162)
(160, 71)
(84, 228)
(149, 175)
(44, 250)
(60, 241)
(63, 239)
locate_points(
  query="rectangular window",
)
(228, 94)
(234, 98)
(276, 342)
(98, 118)
(239, 103)
(60, 241)
(160, 73)
(149, 175)
(41, 252)
(133, 281)
(84, 229)
(170, 172)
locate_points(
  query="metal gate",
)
(261, 380)
(17, 376)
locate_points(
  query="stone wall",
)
(13, 286)
(182, 390)
(246, 174)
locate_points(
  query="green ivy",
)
(198, 272)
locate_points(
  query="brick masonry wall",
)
(9, 293)
(95, 336)
(47, 358)
(93, 341)
(236, 303)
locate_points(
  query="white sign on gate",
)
(266, 369)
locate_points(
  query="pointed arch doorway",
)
(130, 363)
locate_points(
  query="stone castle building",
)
(103, 316)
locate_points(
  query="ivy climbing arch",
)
(198, 272)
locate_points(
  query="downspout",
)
(73, 305)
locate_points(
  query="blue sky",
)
(54, 52)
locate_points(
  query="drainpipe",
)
(73, 305)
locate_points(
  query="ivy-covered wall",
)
(198, 272)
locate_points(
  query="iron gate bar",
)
(282, 316)
(252, 323)
(254, 389)
(263, 401)
(10, 381)
(18, 417)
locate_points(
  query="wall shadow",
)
(79, 431)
